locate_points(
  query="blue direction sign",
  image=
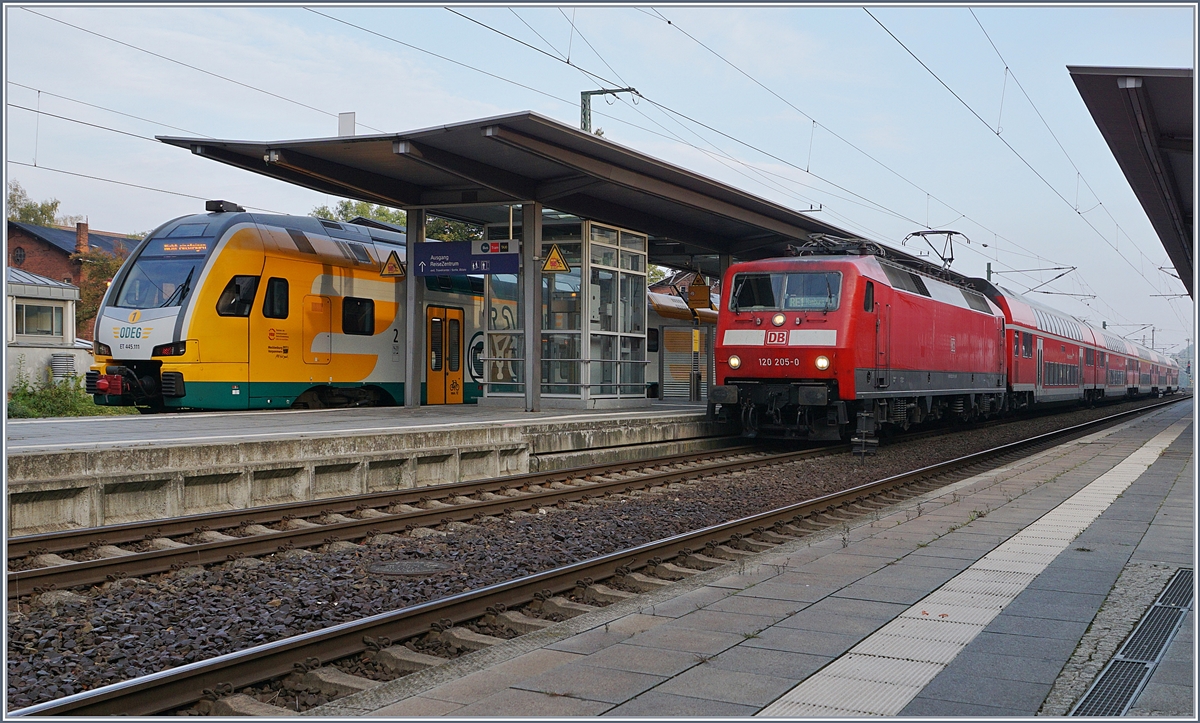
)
(461, 258)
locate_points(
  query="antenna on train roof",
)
(947, 252)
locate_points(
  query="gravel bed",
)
(62, 642)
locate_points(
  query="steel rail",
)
(90, 572)
(181, 686)
(67, 540)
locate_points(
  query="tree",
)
(25, 210)
(97, 269)
(442, 229)
(346, 210)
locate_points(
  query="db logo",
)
(777, 338)
(271, 334)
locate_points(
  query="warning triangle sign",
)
(392, 267)
(555, 262)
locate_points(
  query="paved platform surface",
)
(84, 433)
(810, 623)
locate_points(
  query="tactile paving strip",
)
(920, 643)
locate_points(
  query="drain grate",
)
(1148, 641)
(1179, 592)
(1112, 692)
(1123, 678)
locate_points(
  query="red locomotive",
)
(852, 332)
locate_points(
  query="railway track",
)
(146, 548)
(301, 656)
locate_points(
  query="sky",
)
(807, 106)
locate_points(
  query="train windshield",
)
(809, 291)
(164, 274)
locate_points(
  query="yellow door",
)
(444, 345)
(317, 330)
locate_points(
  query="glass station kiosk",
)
(593, 332)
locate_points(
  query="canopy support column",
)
(531, 273)
(414, 316)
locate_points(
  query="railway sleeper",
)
(641, 583)
(668, 571)
(750, 545)
(725, 552)
(332, 682)
(402, 660)
(774, 538)
(109, 551)
(605, 595)
(165, 543)
(49, 559)
(703, 562)
(464, 639)
(258, 530)
(241, 704)
(521, 623)
(369, 513)
(566, 608)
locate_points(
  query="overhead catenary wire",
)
(1078, 173)
(658, 15)
(110, 110)
(676, 137)
(132, 185)
(664, 107)
(1009, 146)
(194, 67)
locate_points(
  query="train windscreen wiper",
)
(180, 291)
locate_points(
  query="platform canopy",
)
(1146, 115)
(472, 171)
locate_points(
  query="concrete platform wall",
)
(60, 490)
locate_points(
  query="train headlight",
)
(822, 362)
(778, 319)
(99, 349)
(734, 361)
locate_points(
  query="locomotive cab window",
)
(275, 301)
(238, 296)
(807, 291)
(869, 297)
(358, 316)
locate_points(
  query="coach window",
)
(275, 301)
(869, 297)
(1016, 343)
(1027, 345)
(1091, 357)
(358, 316)
(238, 296)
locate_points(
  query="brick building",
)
(46, 251)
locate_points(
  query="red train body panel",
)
(808, 346)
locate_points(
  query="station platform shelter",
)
(582, 218)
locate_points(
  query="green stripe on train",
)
(279, 395)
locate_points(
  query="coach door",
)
(1039, 362)
(318, 337)
(883, 345)
(443, 368)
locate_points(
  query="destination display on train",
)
(463, 258)
(181, 247)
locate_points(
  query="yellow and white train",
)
(233, 310)
(236, 310)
